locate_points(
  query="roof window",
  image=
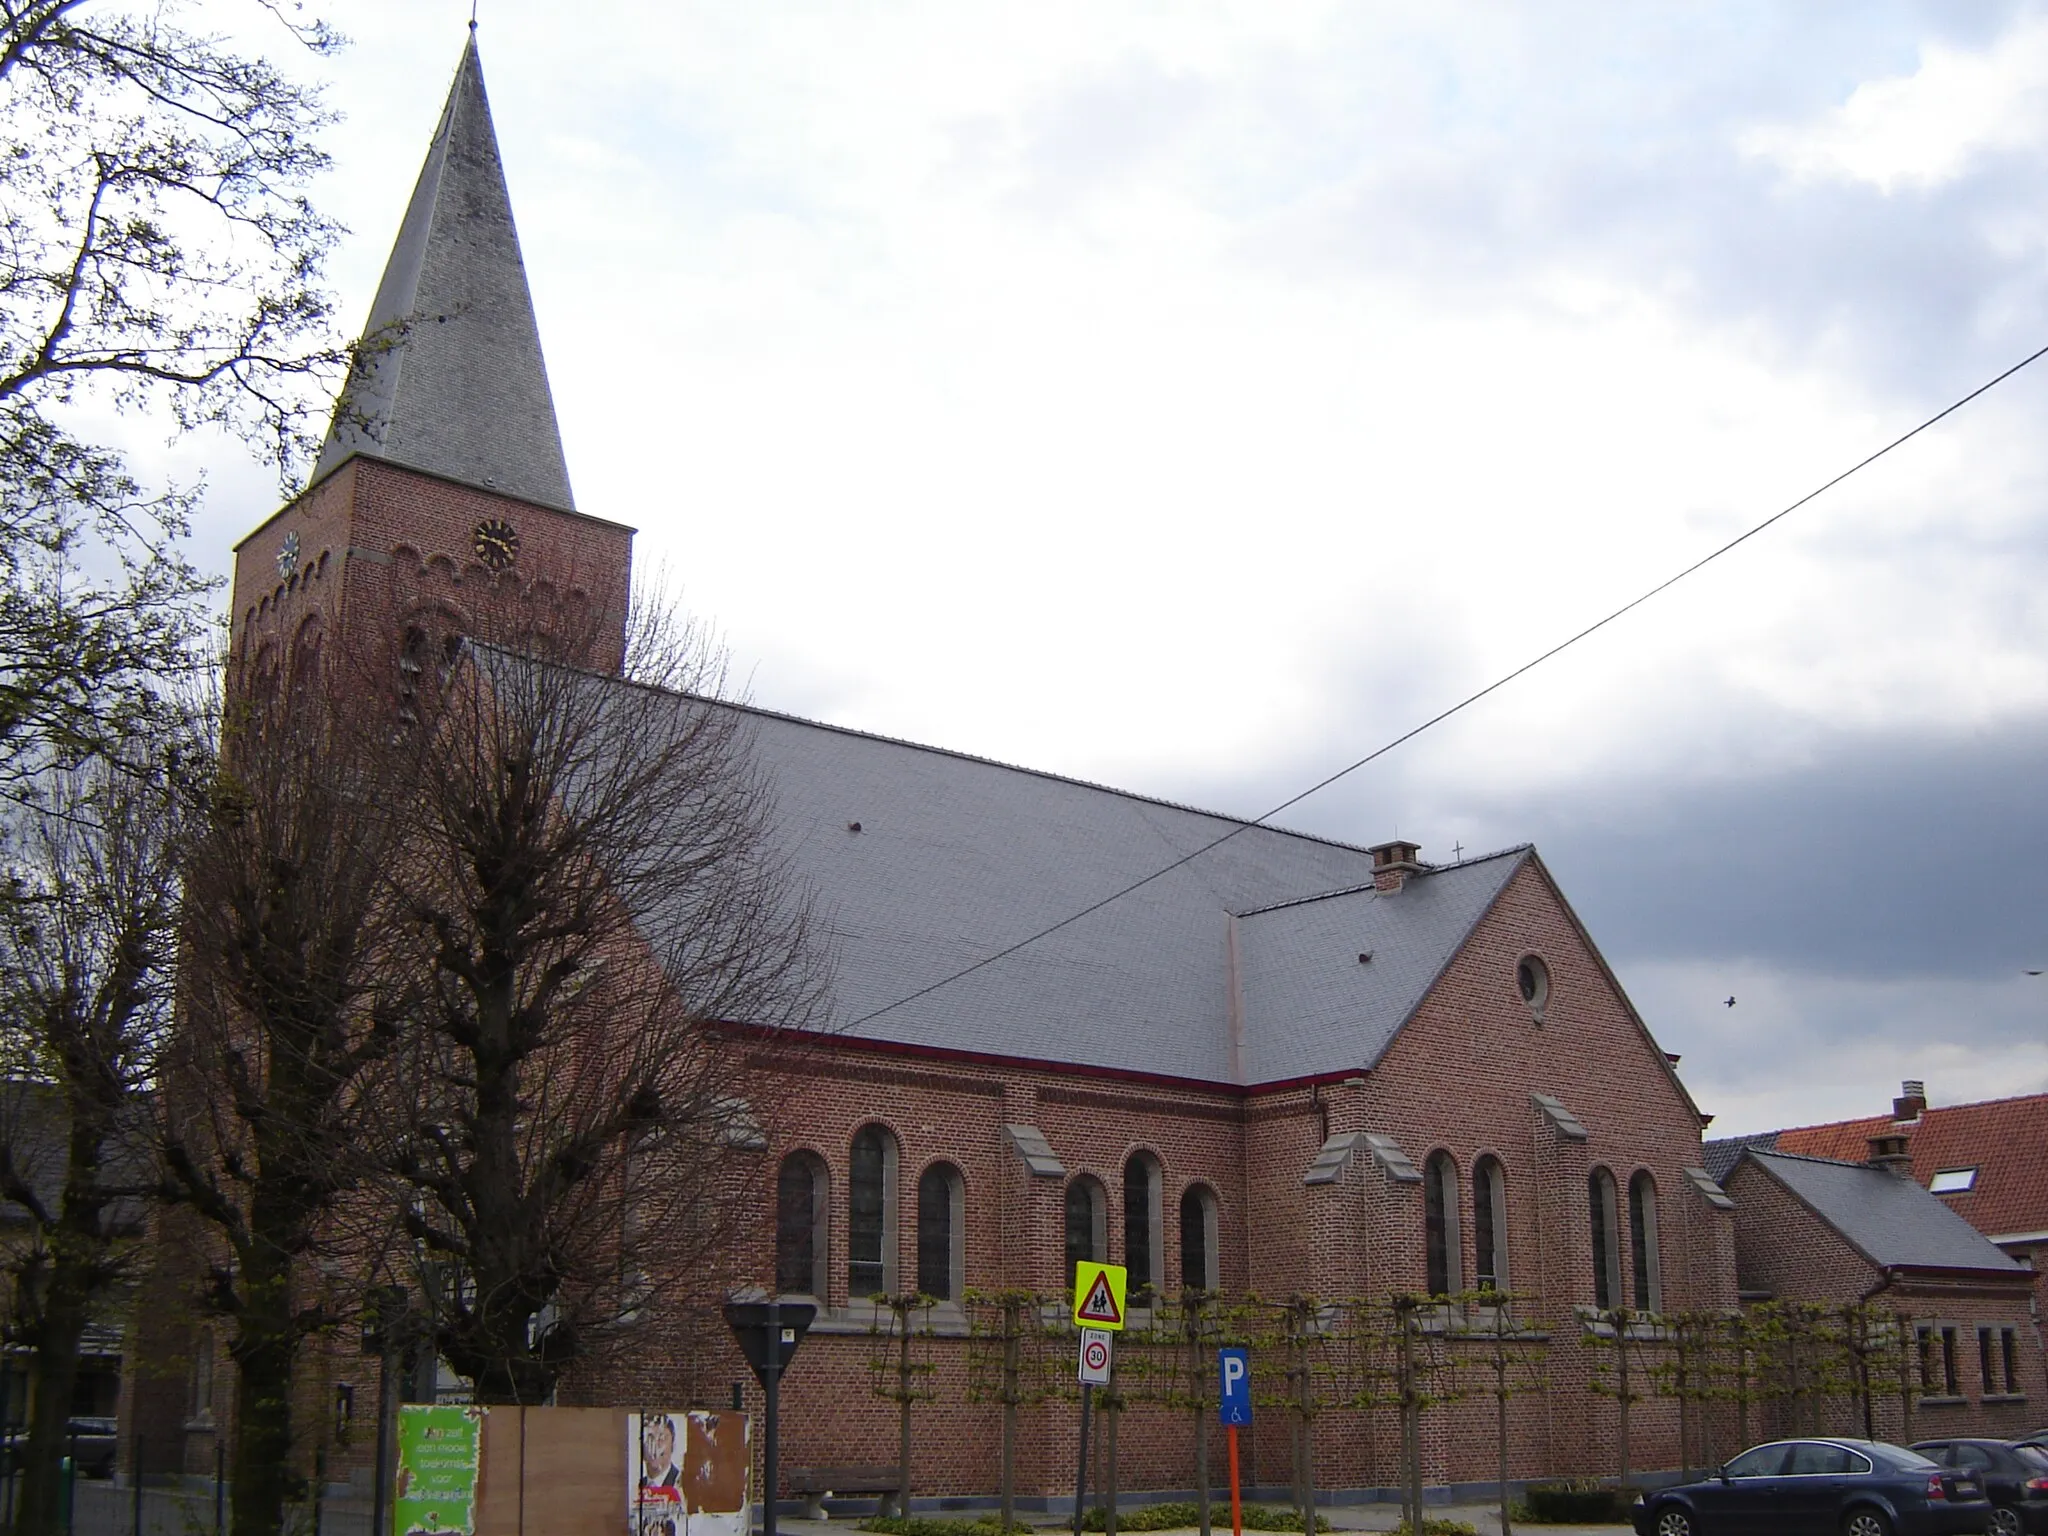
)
(1953, 1181)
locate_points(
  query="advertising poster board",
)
(687, 1473)
(438, 1456)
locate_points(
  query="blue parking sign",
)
(1235, 1404)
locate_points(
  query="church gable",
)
(1528, 1006)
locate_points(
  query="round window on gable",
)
(1532, 980)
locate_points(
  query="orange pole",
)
(1236, 1505)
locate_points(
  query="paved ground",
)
(1352, 1517)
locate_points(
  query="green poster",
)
(438, 1450)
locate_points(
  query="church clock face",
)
(288, 556)
(496, 542)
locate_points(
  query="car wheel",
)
(1675, 1520)
(2005, 1521)
(1866, 1522)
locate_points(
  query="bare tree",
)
(87, 939)
(604, 931)
(289, 1001)
(157, 253)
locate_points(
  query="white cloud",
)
(1919, 130)
(1804, 1048)
(1197, 396)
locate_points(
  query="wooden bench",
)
(816, 1482)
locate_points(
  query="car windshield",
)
(1901, 1458)
(2035, 1458)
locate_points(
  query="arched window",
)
(1144, 1243)
(1087, 1227)
(1642, 1242)
(802, 1199)
(1606, 1239)
(941, 1232)
(1490, 1224)
(871, 1213)
(306, 652)
(1440, 1225)
(1198, 1239)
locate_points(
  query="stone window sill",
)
(1943, 1402)
(946, 1320)
(2005, 1397)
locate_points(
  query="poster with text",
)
(438, 1454)
(688, 1473)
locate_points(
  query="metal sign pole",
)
(1081, 1477)
(1236, 1500)
(771, 1379)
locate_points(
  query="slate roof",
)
(1892, 1221)
(2005, 1140)
(959, 857)
(451, 380)
(1311, 1004)
(1720, 1155)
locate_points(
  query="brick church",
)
(1288, 1064)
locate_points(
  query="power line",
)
(1463, 704)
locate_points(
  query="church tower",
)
(441, 497)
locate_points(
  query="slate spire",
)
(450, 379)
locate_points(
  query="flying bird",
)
(2034, 973)
(1729, 1004)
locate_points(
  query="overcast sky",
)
(1193, 396)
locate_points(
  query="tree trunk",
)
(265, 1343)
(1305, 1399)
(1013, 1324)
(903, 1418)
(1112, 1411)
(1411, 1429)
(1684, 1384)
(1622, 1396)
(1500, 1431)
(53, 1375)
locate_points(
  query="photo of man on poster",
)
(660, 1462)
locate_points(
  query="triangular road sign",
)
(1099, 1296)
(1100, 1308)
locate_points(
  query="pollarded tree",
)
(290, 998)
(91, 905)
(605, 936)
(157, 254)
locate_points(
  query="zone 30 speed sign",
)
(1095, 1346)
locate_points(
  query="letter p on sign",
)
(1235, 1404)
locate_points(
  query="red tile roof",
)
(2006, 1140)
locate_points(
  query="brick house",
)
(1832, 1231)
(1988, 1162)
(1286, 1064)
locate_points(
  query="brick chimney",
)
(1393, 863)
(1911, 1102)
(1888, 1151)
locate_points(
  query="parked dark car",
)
(94, 1441)
(1821, 1488)
(2014, 1475)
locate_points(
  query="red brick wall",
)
(378, 544)
(1784, 1250)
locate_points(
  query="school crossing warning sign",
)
(1099, 1296)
